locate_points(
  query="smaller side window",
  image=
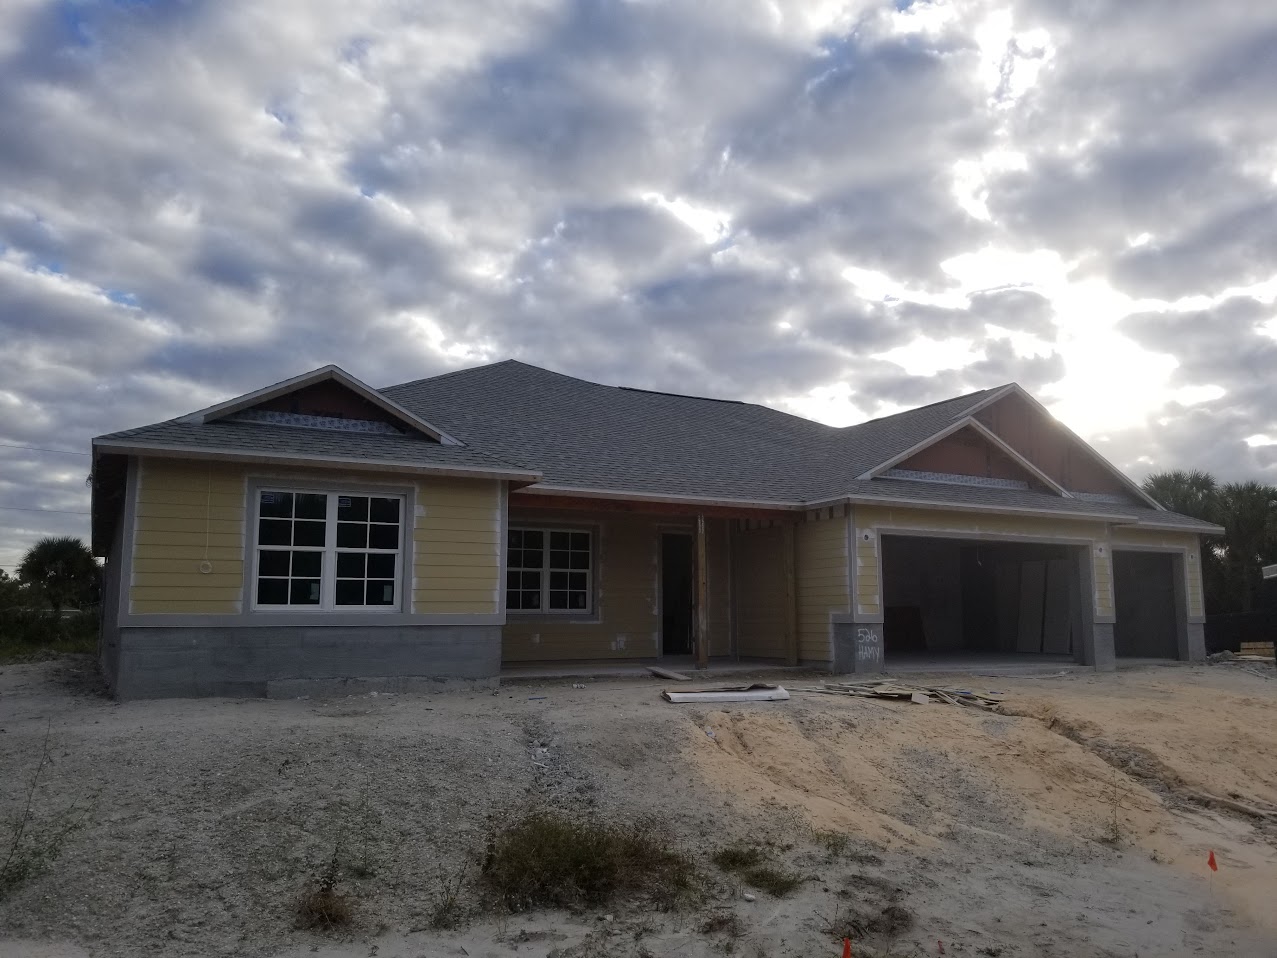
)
(548, 570)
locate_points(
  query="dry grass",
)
(548, 859)
(321, 906)
(775, 881)
(735, 858)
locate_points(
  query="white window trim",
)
(328, 573)
(545, 610)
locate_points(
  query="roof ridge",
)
(662, 392)
(932, 405)
(451, 372)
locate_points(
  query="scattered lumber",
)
(1264, 649)
(668, 674)
(919, 694)
(758, 692)
(1206, 798)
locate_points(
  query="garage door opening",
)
(976, 602)
(1148, 605)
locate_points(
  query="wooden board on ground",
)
(744, 693)
(669, 674)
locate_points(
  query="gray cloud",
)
(202, 198)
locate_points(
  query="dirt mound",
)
(909, 774)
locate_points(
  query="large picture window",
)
(548, 570)
(327, 550)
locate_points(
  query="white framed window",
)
(548, 570)
(327, 550)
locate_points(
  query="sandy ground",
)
(995, 833)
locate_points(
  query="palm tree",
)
(1190, 493)
(1248, 513)
(61, 570)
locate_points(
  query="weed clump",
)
(321, 905)
(736, 858)
(747, 862)
(547, 859)
(34, 843)
(775, 881)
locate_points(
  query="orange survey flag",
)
(846, 948)
(1211, 861)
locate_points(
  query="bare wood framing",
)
(790, 548)
(702, 595)
(539, 500)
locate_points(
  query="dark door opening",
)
(961, 597)
(677, 594)
(1147, 606)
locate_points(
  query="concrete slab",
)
(638, 667)
(997, 663)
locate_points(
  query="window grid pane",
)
(294, 552)
(290, 576)
(548, 569)
(367, 550)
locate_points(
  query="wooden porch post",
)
(790, 558)
(702, 595)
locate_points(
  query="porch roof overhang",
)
(546, 496)
(540, 496)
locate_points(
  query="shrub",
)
(774, 881)
(35, 843)
(736, 858)
(321, 905)
(547, 859)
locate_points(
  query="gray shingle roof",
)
(232, 437)
(586, 435)
(582, 435)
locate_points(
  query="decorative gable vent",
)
(952, 478)
(303, 421)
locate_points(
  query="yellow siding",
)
(760, 591)
(868, 576)
(188, 513)
(457, 547)
(1189, 543)
(822, 583)
(1102, 580)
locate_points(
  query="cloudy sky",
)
(838, 208)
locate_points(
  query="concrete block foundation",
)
(287, 661)
(858, 647)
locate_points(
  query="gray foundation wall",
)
(1196, 634)
(1103, 647)
(858, 647)
(293, 660)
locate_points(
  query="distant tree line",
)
(52, 601)
(1231, 563)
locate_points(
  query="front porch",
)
(608, 587)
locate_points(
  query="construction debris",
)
(740, 693)
(920, 694)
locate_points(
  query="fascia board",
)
(321, 462)
(633, 495)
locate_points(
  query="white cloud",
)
(853, 207)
